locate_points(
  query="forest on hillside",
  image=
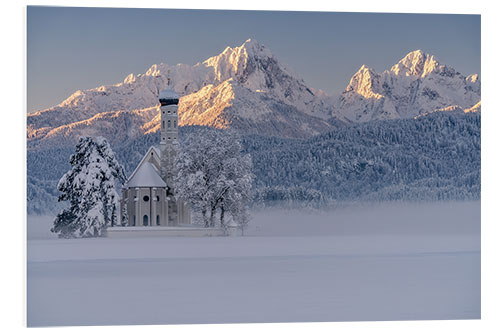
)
(436, 157)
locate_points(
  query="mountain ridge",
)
(247, 88)
(415, 85)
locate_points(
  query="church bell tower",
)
(169, 101)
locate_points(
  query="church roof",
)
(168, 97)
(157, 151)
(168, 94)
(146, 175)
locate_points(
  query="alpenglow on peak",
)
(417, 63)
(238, 56)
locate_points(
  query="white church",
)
(148, 194)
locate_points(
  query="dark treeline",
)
(437, 157)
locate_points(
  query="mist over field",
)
(411, 218)
(445, 218)
(371, 262)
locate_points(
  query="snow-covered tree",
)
(213, 175)
(90, 189)
(235, 186)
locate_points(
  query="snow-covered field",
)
(397, 262)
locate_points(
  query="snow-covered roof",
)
(168, 94)
(157, 151)
(146, 175)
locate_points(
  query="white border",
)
(13, 27)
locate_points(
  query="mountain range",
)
(416, 85)
(247, 88)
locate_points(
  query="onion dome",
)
(168, 97)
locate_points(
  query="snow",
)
(251, 66)
(168, 94)
(89, 189)
(416, 63)
(402, 262)
(245, 87)
(146, 176)
(417, 84)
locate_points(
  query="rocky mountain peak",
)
(416, 63)
(238, 61)
(363, 82)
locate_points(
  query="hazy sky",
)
(82, 48)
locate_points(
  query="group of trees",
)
(215, 177)
(437, 157)
(212, 176)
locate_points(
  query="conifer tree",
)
(90, 189)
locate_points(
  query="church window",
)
(145, 198)
(157, 198)
(157, 219)
(145, 220)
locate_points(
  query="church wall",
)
(155, 206)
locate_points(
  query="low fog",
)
(357, 219)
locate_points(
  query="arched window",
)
(175, 123)
(133, 222)
(157, 219)
(168, 123)
(157, 198)
(163, 124)
(145, 220)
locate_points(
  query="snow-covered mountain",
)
(418, 84)
(245, 87)
(248, 89)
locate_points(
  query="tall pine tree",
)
(90, 189)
